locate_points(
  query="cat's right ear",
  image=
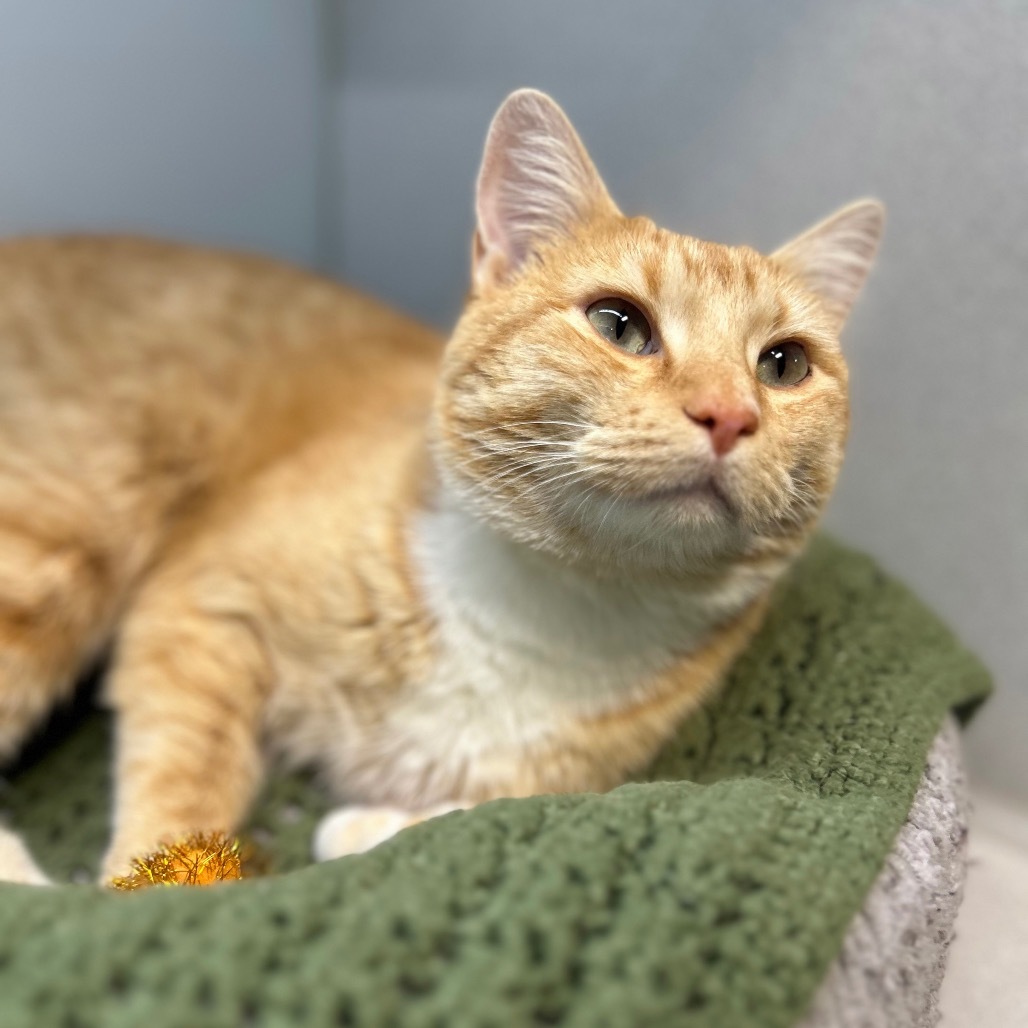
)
(536, 184)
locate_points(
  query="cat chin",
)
(702, 501)
(677, 534)
(672, 533)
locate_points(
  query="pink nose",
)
(724, 421)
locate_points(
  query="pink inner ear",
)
(536, 183)
(834, 257)
(488, 264)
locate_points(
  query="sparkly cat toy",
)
(202, 858)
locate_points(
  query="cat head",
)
(620, 395)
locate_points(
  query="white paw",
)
(356, 829)
(359, 829)
(16, 863)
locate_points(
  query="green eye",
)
(622, 324)
(784, 364)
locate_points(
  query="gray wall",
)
(744, 121)
(175, 117)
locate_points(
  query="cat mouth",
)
(707, 492)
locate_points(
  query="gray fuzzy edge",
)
(893, 957)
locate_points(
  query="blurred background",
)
(345, 135)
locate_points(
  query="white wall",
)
(742, 121)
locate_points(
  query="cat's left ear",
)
(535, 185)
(832, 259)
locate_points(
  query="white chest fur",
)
(524, 645)
(515, 623)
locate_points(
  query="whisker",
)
(565, 424)
(536, 444)
(610, 507)
(523, 470)
(507, 478)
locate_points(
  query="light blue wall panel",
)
(187, 118)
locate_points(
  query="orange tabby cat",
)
(505, 566)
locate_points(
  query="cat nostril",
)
(725, 425)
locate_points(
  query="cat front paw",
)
(16, 863)
(119, 861)
(351, 830)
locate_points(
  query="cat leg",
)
(57, 604)
(357, 829)
(188, 690)
(16, 863)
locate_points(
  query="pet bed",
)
(780, 864)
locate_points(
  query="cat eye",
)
(784, 364)
(622, 324)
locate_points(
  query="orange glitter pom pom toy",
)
(201, 859)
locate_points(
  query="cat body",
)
(442, 571)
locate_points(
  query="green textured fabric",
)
(715, 893)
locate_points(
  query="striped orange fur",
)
(441, 571)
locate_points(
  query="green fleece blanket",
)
(716, 891)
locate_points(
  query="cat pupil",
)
(783, 365)
(621, 323)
